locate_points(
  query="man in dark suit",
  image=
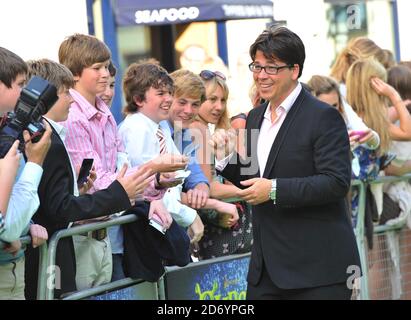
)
(296, 176)
(60, 202)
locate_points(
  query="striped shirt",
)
(92, 133)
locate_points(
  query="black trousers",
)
(267, 290)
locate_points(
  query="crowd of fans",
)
(157, 163)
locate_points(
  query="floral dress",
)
(366, 166)
(218, 241)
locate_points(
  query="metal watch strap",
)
(273, 191)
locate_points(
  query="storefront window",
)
(133, 44)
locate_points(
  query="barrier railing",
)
(45, 291)
(359, 233)
(385, 266)
(48, 254)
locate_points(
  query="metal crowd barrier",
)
(386, 267)
(166, 284)
(48, 258)
(359, 232)
(156, 290)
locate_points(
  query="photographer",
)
(24, 200)
(19, 199)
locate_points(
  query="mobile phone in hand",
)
(156, 225)
(359, 133)
(86, 166)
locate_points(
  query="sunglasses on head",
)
(207, 75)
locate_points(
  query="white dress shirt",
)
(268, 131)
(62, 131)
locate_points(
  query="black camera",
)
(35, 100)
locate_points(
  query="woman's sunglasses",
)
(207, 75)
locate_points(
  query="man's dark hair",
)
(280, 43)
(11, 65)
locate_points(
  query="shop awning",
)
(157, 12)
(345, 2)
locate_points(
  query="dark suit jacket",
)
(305, 240)
(59, 207)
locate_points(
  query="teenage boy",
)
(92, 133)
(23, 201)
(189, 94)
(148, 90)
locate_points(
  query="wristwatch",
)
(273, 191)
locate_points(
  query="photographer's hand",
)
(36, 152)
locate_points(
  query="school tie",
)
(161, 140)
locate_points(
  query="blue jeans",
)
(118, 272)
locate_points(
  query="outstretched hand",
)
(134, 184)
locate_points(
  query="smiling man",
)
(304, 246)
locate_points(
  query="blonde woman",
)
(367, 93)
(357, 48)
(217, 241)
(327, 90)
